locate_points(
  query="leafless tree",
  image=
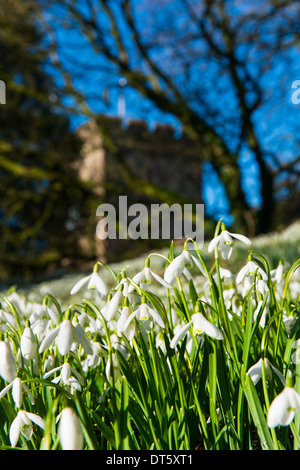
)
(211, 64)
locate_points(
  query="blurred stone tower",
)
(168, 166)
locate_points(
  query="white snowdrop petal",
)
(242, 238)
(80, 284)
(65, 337)
(175, 268)
(48, 340)
(242, 273)
(36, 419)
(8, 369)
(17, 392)
(14, 431)
(81, 338)
(214, 242)
(180, 334)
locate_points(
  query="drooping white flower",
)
(180, 265)
(17, 391)
(49, 362)
(93, 360)
(144, 314)
(6, 319)
(8, 368)
(283, 408)
(41, 319)
(118, 344)
(66, 334)
(249, 271)
(257, 311)
(289, 322)
(123, 328)
(160, 343)
(23, 424)
(144, 279)
(93, 281)
(277, 274)
(110, 309)
(224, 243)
(28, 344)
(70, 431)
(200, 326)
(255, 371)
(73, 382)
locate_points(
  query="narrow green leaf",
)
(258, 415)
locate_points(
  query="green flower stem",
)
(182, 296)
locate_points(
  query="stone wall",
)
(157, 158)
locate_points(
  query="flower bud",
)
(69, 430)
(8, 370)
(28, 344)
(65, 337)
(17, 392)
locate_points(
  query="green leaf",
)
(104, 429)
(258, 415)
(123, 417)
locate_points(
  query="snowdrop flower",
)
(43, 312)
(256, 312)
(180, 266)
(160, 343)
(40, 321)
(249, 271)
(289, 322)
(118, 345)
(23, 424)
(129, 329)
(93, 360)
(66, 334)
(263, 291)
(110, 309)
(49, 362)
(8, 368)
(145, 314)
(225, 274)
(277, 274)
(262, 287)
(145, 277)
(283, 408)
(21, 303)
(200, 326)
(112, 369)
(66, 378)
(28, 344)
(70, 431)
(93, 281)
(224, 242)
(6, 319)
(255, 372)
(125, 285)
(17, 392)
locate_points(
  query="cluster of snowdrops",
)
(197, 358)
